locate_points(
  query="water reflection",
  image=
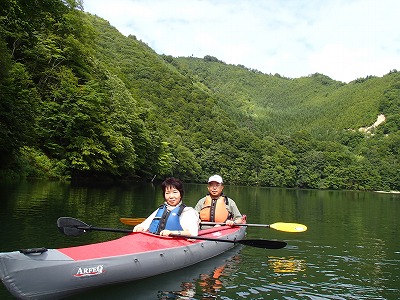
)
(286, 265)
(187, 292)
(208, 284)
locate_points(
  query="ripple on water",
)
(317, 275)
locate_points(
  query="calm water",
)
(350, 251)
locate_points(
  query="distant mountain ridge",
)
(315, 103)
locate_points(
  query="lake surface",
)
(351, 249)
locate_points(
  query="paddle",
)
(287, 227)
(132, 221)
(74, 227)
(259, 243)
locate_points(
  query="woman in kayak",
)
(172, 217)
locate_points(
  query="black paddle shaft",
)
(259, 243)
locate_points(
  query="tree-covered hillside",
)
(280, 105)
(79, 99)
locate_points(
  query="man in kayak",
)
(216, 207)
(172, 217)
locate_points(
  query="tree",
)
(18, 108)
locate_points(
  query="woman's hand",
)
(137, 229)
(166, 232)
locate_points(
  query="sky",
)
(343, 39)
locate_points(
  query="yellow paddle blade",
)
(289, 227)
(132, 221)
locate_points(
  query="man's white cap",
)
(215, 178)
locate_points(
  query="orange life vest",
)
(214, 210)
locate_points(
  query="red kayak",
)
(54, 273)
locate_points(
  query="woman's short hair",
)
(173, 182)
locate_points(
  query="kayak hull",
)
(57, 273)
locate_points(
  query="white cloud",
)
(341, 39)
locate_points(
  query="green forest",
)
(79, 100)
